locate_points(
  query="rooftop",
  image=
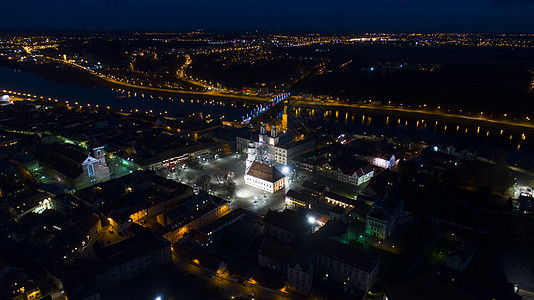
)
(278, 252)
(313, 186)
(298, 196)
(67, 152)
(289, 220)
(229, 217)
(265, 172)
(352, 256)
(340, 198)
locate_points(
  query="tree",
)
(204, 182)
(192, 162)
(504, 178)
(189, 176)
(229, 187)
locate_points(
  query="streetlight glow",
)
(285, 170)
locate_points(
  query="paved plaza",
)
(251, 198)
(245, 196)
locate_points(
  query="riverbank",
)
(65, 73)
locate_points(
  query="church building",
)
(275, 148)
(75, 168)
(261, 175)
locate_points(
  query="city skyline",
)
(267, 150)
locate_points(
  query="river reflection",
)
(422, 129)
(116, 98)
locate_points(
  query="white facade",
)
(365, 177)
(378, 228)
(96, 170)
(383, 163)
(251, 156)
(355, 177)
(265, 185)
(359, 176)
(382, 221)
(300, 279)
(271, 139)
(268, 147)
(4, 100)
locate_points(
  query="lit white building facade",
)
(271, 147)
(4, 100)
(356, 177)
(384, 217)
(262, 176)
(348, 175)
(383, 162)
(265, 177)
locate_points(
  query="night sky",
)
(275, 15)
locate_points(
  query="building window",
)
(91, 170)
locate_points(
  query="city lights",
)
(285, 170)
(267, 163)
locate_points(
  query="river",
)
(28, 83)
(488, 142)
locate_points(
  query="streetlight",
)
(285, 170)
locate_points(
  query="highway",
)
(203, 84)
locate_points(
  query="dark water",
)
(17, 81)
(516, 147)
(488, 142)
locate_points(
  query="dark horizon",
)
(253, 31)
(452, 16)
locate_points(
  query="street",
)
(228, 288)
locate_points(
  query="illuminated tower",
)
(274, 136)
(284, 120)
(251, 156)
(263, 132)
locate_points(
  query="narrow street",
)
(228, 288)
